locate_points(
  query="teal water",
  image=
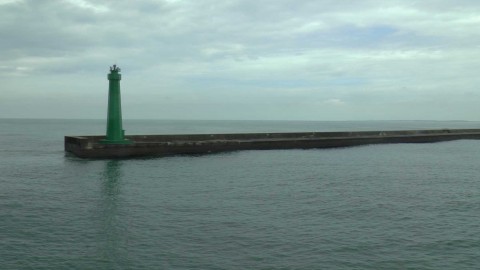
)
(404, 206)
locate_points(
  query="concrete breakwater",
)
(167, 145)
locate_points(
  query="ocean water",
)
(398, 206)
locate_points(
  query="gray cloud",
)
(242, 59)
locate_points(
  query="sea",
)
(394, 206)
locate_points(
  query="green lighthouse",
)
(115, 132)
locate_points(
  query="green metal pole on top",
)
(115, 132)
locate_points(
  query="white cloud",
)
(6, 2)
(334, 102)
(88, 5)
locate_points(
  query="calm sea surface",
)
(404, 206)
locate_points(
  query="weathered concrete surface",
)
(165, 145)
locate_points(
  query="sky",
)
(325, 60)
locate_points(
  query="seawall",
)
(167, 145)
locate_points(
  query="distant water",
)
(404, 206)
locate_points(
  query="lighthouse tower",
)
(115, 132)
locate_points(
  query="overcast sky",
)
(242, 59)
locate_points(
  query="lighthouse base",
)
(124, 141)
